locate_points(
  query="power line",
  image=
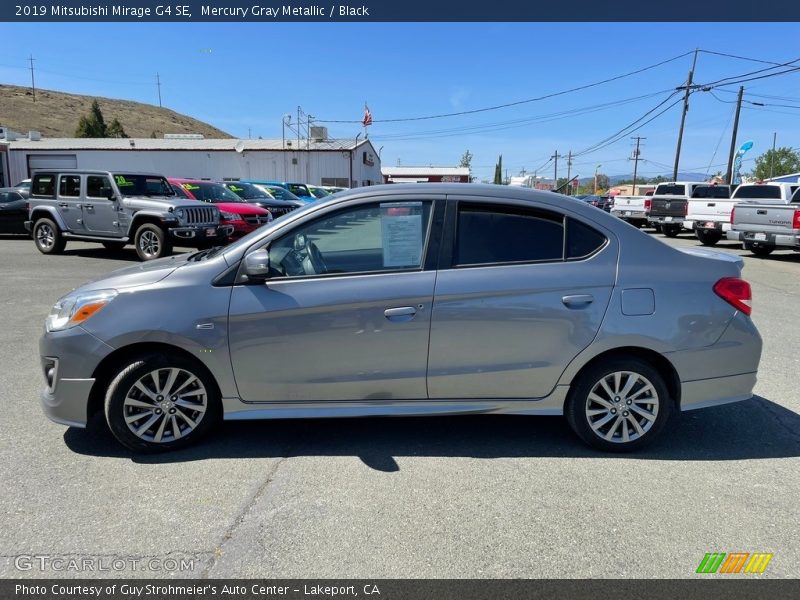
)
(518, 102)
(766, 62)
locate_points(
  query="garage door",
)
(52, 161)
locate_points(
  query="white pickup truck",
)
(632, 209)
(769, 221)
(708, 213)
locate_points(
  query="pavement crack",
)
(239, 518)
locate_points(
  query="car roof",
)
(98, 171)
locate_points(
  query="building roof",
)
(423, 171)
(207, 144)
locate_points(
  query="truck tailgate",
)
(668, 207)
(710, 209)
(765, 218)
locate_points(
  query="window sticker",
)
(401, 232)
(122, 182)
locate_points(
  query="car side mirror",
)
(256, 266)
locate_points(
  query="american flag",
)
(367, 120)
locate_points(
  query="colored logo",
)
(734, 562)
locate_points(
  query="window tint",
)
(44, 185)
(69, 186)
(97, 186)
(388, 236)
(582, 240)
(487, 235)
(711, 191)
(796, 197)
(670, 189)
(758, 191)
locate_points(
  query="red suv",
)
(243, 216)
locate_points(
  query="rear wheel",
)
(48, 237)
(760, 251)
(152, 242)
(160, 402)
(670, 231)
(619, 404)
(708, 238)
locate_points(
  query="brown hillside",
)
(56, 114)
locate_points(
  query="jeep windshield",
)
(142, 185)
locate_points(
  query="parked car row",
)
(148, 210)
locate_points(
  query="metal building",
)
(345, 163)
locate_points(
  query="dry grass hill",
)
(56, 114)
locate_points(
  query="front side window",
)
(97, 186)
(378, 237)
(69, 186)
(491, 234)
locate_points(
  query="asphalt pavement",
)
(443, 497)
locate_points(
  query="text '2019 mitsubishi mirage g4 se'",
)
(409, 300)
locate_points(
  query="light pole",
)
(353, 157)
(596, 169)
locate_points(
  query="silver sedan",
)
(409, 300)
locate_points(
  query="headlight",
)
(74, 309)
(229, 216)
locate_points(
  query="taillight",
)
(686, 209)
(796, 220)
(733, 214)
(735, 292)
(647, 204)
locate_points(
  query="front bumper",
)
(765, 239)
(201, 233)
(75, 353)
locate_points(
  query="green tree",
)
(774, 163)
(466, 160)
(92, 125)
(498, 171)
(115, 130)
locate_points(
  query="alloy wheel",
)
(622, 407)
(149, 243)
(45, 236)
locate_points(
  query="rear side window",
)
(69, 186)
(44, 185)
(582, 240)
(491, 235)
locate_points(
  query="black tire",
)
(670, 231)
(761, 251)
(708, 238)
(47, 237)
(577, 406)
(657, 227)
(114, 246)
(152, 242)
(122, 385)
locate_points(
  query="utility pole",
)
(569, 172)
(729, 175)
(158, 85)
(33, 81)
(555, 170)
(683, 115)
(636, 161)
(772, 156)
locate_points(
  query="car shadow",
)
(753, 429)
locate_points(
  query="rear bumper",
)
(713, 392)
(765, 239)
(707, 225)
(666, 220)
(630, 214)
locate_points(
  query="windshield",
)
(318, 192)
(210, 192)
(712, 191)
(298, 189)
(142, 185)
(758, 191)
(282, 193)
(248, 191)
(670, 189)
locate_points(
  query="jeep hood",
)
(158, 202)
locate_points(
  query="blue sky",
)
(240, 76)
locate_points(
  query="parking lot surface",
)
(460, 497)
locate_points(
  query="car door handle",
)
(577, 300)
(402, 313)
(91, 206)
(63, 205)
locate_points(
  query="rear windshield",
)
(142, 185)
(670, 189)
(758, 191)
(247, 191)
(711, 191)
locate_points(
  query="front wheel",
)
(160, 402)
(619, 405)
(152, 242)
(708, 238)
(670, 231)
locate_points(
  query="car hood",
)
(240, 208)
(146, 273)
(158, 202)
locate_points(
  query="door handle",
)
(63, 205)
(402, 313)
(577, 300)
(89, 206)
